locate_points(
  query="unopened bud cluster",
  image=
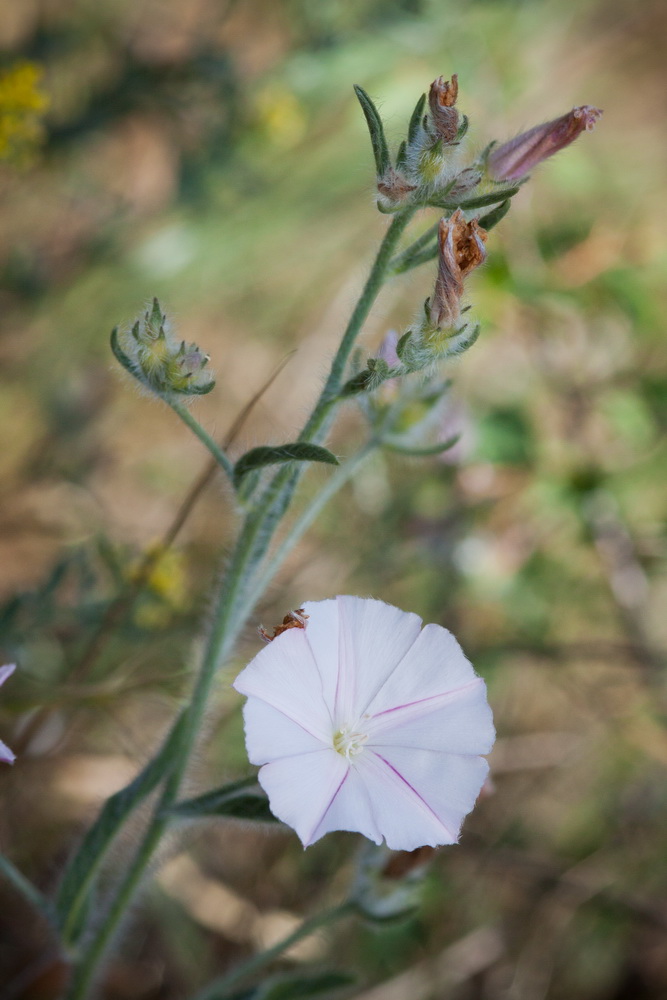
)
(426, 168)
(426, 173)
(161, 362)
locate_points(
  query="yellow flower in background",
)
(165, 587)
(281, 116)
(22, 107)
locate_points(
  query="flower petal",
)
(6, 756)
(284, 675)
(6, 672)
(269, 734)
(302, 788)
(374, 637)
(448, 784)
(403, 815)
(322, 636)
(457, 722)
(350, 809)
(433, 665)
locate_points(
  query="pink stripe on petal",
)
(374, 638)
(448, 783)
(300, 788)
(415, 792)
(321, 634)
(445, 695)
(284, 675)
(434, 663)
(271, 733)
(311, 838)
(459, 724)
(404, 819)
(351, 809)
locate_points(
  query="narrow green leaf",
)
(401, 156)
(84, 865)
(463, 342)
(415, 120)
(155, 318)
(298, 451)
(25, 887)
(120, 354)
(233, 800)
(415, 260)
(303, 985)
(463, 128)
(416, 253)
(375, 127)
(201, 390)
(434, 449)
(358, 383)
(492, 218)
(403, 343)
(481, 201)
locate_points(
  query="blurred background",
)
(212, 153)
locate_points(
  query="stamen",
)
(348, 744)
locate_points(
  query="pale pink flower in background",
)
(364, 721)
(387, 349)
(6, 756)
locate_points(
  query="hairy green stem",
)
(415, 252)
(25, 887)
(219, 988)
(233, 606)
(317, 422)
(308, 516)
(216, 451)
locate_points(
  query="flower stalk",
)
(423, 175)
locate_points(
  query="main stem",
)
(219, 987)
(231, 612)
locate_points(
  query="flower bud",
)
(444, 116)
(427, 153)
(516, 158)
(159, 361)
(461, 250)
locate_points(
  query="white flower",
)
(6, 756)
(364, 721)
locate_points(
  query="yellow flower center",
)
(348, 744)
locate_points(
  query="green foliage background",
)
(213, 154)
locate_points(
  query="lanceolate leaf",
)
(374, 122)
(462, 342)
(493, 217)
(298, 986)
(481, 201)
(415, 120)
(238, 800)
(406, 263)
(299, 451)
(120, 354)
(401, 155)
(303, 985)
(434, 449)
(83, 867)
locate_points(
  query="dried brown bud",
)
(516, 158)
(402, 863)
(394, 186)
(462, 249)
(441, 100)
